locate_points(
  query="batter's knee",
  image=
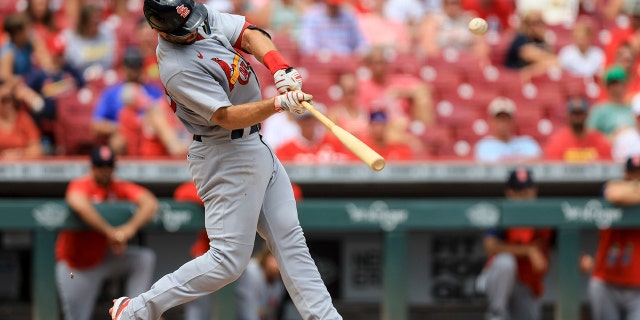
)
(234, 258)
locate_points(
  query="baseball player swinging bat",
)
(355, 145)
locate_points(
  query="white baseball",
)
(478, 26)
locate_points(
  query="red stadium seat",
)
(73, 124)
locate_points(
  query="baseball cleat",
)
(118, 305)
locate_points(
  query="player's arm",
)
(82, 206)
(622, 192)
(147, 205)
(494, 245)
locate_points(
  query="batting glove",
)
(287, 80)
(291, 101)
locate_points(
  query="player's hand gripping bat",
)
(355, 145)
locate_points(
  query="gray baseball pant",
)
(610, 302)
(508, 298)
(243, 185)
(78, 295)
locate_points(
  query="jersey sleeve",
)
(231, 25)
(201, 93)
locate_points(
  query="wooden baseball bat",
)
(355, 145)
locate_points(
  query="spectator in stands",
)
(529, 52)
(614, 287)
(149, 127)
(574, 142)
(147, 41)
(330, 26)
(449, 29)
(58, 80)
(615, 113)
(378, 30)
(406, 99)
(23, 51)
(45, 21)
(314, 144)
(518, 260)
(626, 33)
(348, 113)
(553, 12)
(282, 17)
(626, 141)
(19, 135)
(377, 139)
(103, 251)
(91, 45)
(258, 290)
(410, 12)
(110, 103)
(503, 145)
(582, 58)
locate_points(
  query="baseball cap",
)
(132, 58)
(577, 104)
(520, 178)
(633, 163)
(615, 74)
(501, 105)
(103, 156)
(378, 117)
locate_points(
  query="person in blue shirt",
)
(112, 99)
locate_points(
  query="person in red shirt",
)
(574, 142)
(314, 144)
(19, 135)
(100, 252)
(378, 141)
(518, 261)
(614, 287)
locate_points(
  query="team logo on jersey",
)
(183, 11)
(238, 72)
(200, 56)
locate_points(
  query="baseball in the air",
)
(478, 26)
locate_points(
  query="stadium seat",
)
(73, 124)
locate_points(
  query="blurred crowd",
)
(551, 80)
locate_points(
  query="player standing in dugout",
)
(216, 95)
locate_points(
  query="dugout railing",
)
(394, 218)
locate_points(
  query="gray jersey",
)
(184, 68)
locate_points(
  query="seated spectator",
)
(503, 145)
(279, 128)
(110, 103)
(554, 12)
(348, 113)
(582, 58)
(19, 135)
(409, 12)
(624, 34)
(626, 141)
(615, 113)
(330, 26)
(47, 18)
(102, 251)
(378, 141)
(406, 99)
(23, 52)
(574, 142)
(50, 84)
(378, 30)
(149, 127)
(91, 45)
(449, 29)
(283, 17)
(529, 52)
(314, 144)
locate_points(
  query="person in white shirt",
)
(626, 141)
(582, 58)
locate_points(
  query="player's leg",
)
(199, 309)
(78, 295)
(524, 305)
(231, 179)
(137, 264)
(603, 301)
(632, 303)
(280, 227)
(500, 281)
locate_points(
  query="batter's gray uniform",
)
(243, 185)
